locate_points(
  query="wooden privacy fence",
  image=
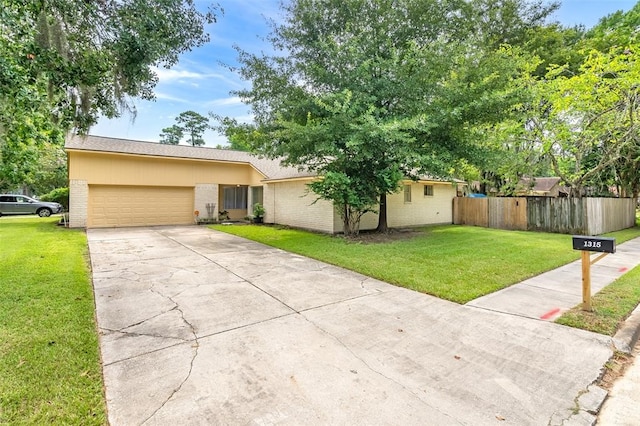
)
(587, 216)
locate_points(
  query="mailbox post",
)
(587, 245)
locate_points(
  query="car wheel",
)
(44, 212)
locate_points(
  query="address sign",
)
(600, 244)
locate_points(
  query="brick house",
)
(117, 182)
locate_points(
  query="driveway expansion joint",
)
(230, 271)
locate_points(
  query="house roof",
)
(543, 184)
(270, 169)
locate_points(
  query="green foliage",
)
(92, 55)
(36, 162)
(241, 136)
(619, 29)
(555, 45)
(586, 123)
(171, 135)
(258, 210)
(50, 370)
(580, 122)
(366, 93)
(194, 125)
(64, 63)
(58, 195)
(351, 196)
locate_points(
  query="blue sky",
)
(202, 82)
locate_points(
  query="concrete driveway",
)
(200, 327)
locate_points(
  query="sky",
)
(203, 82)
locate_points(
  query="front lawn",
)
(49, 360)
(457, 263)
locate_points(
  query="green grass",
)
(457, 263)
(49, 361)
(611, 306)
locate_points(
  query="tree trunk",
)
(382, 214)
(350, 221)
(345, 221)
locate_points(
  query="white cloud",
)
(164, 96)
(234, 100)
(180, 75)
(172, 74)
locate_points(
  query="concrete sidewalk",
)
(201, 327)
(622, 407)
(548, 295)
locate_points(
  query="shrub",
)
(258, 210)
(58, 195)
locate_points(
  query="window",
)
(256, 195)
(428, 190)
(407, 193)
(235, 197)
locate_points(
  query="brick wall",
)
(78, 203)
(290, 203)
(422, 210)
(206, 193)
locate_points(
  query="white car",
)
(21, 204)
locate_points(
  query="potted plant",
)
(258, 213)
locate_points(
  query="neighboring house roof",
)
(543, 184)
(270, 169)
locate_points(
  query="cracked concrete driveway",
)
(200, 327)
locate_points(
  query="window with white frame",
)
(428, 190)
(407, 193)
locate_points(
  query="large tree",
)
(367, 92)
(583, 96)
(64, 63)
(171, 135)
(193, 125)
(583, 116)
(588, 123)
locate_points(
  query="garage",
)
(119, 182)
(119, 205)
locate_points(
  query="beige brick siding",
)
(206, 193)
(268, 202)
(422, 210)
(370, 220)
(78, 200)
(289, 203)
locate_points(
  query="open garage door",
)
(115, 206)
